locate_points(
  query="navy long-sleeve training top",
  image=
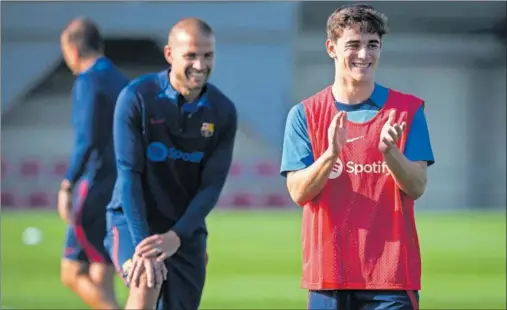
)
(172, 157)
(94, 96)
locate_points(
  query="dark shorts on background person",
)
(84, 239)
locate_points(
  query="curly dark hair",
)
(362, 16)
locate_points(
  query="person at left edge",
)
(86, 267)
(174, 137)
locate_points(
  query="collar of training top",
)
(177, 97)
(377, 98)
(100, 63)
(379, 95)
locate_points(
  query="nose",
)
(199, 64)
(362, 53)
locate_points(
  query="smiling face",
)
(356, 54)
(354, 39)
(191, 55)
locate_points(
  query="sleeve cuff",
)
(181, 232)
(71, 180)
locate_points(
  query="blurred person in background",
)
(174, 138)
(355, 156)
(86, 267)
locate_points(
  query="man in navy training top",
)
(86, 267)
(174, 136)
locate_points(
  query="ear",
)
(168, 54)
(331, 48)
(74, 52)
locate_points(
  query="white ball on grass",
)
(32, 236)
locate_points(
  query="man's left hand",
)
(161, 246)
(391, 132)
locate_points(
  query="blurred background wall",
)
(270, 56)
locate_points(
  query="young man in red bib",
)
(355, 156)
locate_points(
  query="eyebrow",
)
(358, 42)
(195, 53)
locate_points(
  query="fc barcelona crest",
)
(207, 129)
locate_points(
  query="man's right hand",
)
(156, 271)
(160, 246)
(65, 205)
(337, 133)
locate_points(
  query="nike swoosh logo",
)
(354, 139)
(157, 121)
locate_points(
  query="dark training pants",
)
(186, 269)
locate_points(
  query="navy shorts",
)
(363, 300)
(186, 268)
(84, 239)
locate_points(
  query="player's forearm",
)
(196, 213)
(87, 132)
(305, 184)
(133, 206)
(214, 176)
(78, 163)
(410, 176)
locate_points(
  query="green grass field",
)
(255, 262)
